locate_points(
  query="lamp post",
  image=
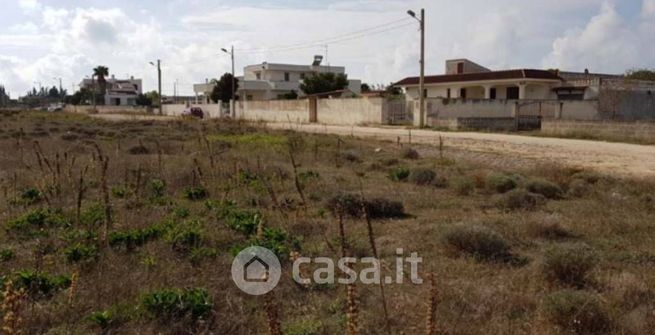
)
(422, 78)
(231, 53)
(159, 84)
(61, 89)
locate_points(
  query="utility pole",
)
(422, 62)
(159, 84)
(61, 89)
(234, 102)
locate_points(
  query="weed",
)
(576, 311)
(409, 153)
(138, 150)
(377, 208)
(463, 186)
(545, 188)
(40, 284)
(119, 192)
(548, 229)
(186, 236)
(422, 176)
(177, 304)
(196, 193)
(31, 196)
(399, 174)
(500, 183)
(479, 242)
(6, 255)
(569, 264)
(157, 188)
(579, 188)
(81, 253)
(351, 156)
(197, 255)
(519, 199)
(102, 319)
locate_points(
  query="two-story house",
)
(119, 92)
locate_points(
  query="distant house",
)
(271, 81)
(465, 79)
(120, 92)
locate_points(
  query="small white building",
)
(272, 81)
(119, 92)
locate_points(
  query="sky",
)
(44, 40)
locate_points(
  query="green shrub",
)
(377, 208)
(102, 319)
(197, 255)
(6, 255)
(119, 192)
(186, 236)
(545, 188)
(196, 193)
(93, 215)
(519, 199)
(33, 223)
(477, 241)
(181, 212)
(80, 253)
(500, 183)
(409, 153)
(577, 312)
(31, 196)
(157, 188)
(463, 186)
(41, 284)
(569, 264)
(133, 238)
(422, 176)
(579, 188)
(399, 174)
(177, 304)
(240, 220)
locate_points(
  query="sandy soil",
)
(630, 160)
(619, 159)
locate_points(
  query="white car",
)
(55, 107)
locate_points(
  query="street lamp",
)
(158, 83)
(422, 78)
(61, 89)
(231, 53)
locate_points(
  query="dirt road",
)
(623, 159)
(619, 159)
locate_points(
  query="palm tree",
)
(101, 72)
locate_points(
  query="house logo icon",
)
(256, 270)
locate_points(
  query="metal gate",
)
(399, 112)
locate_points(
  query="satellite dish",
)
(317, 60)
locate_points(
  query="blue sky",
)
(47, 39)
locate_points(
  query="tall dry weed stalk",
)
(272, 315)
(12, 306)
(103, 164)
(73, 288)
(81, 189)
(431, 326)
(352, 312)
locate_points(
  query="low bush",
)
(422, 176)
(93, 216)
(81, 253)
(578, 312)
(579, 188)
(548, 229)
(33, 223)
(177, 304)
(463, 186)
(351, 156)
(133, 238)
(399, 174)
(157, 188)
(477, 241)
(545, 188)
(186, 236)
(568, 264)
(40, 284)
(241, 220)
(500, 183)
(409, 153)
(377, 208)
(31, 196)
(196, 193)
(138, 150)
(197, 255)
(587, 176)
(6, 255)
(519, 199)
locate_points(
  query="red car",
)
(194, 112)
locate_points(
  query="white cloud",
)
(608, 43)
(29, 5)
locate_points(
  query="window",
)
(460, 68)
(302, 76)
(258, 75)
(492, 93)
(425, 93)
(448, 93)
(286, 76)
(462, 93)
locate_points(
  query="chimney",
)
(586, 71)
(131, 77)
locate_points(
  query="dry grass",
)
(109, 228)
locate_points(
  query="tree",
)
(101, 72)
(290, 96)
(53, 92)
(324, 82)
(641, 74)
(223, 88)
(4, 97)
(153, 96)
(393, 90)
(365, 88)
(143, 100)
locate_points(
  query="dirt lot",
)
(617, 158)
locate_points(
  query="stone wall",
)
(609, 130)
(295, 111)
(107, 109)
(351, 111)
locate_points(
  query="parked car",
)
(194, 112)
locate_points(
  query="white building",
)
(271, 81)
(120, 92)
